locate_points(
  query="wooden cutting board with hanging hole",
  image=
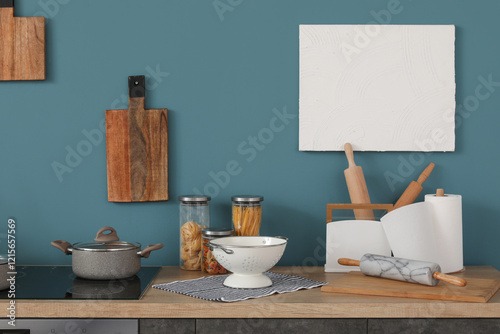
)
(477, 290)
(22, 45)
(137, 149)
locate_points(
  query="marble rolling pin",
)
(413, 271)
(413, 190)
(357, 186)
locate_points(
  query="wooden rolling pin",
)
(357, 186)
(413, 271)
(413, 190)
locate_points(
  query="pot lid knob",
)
(108, 237)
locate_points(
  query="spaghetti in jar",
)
(247, 214)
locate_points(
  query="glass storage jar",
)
(247, 214)
(194, 213)
(209, 264)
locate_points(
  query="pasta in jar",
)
(194, 216)
(209, 263)
(247, 214)
(191, 246)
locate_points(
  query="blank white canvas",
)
(379, 87)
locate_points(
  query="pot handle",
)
(146, 251)
(65, 246)
(101, 237)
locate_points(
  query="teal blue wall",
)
(221, 81)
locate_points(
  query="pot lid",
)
(106, 242)
(109, 246)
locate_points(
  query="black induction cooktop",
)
(59, 282)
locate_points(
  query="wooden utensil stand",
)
(350, 206)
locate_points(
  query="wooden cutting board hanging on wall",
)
(22, 45)
(137, 149)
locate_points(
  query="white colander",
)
(248, 258)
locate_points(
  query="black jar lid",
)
(217, 232)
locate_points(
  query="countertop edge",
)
(311, 303)
(126, 310)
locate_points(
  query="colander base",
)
(247, 281)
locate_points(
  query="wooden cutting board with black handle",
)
(22, 45)
(137, 149)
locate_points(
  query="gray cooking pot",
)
(107, 257)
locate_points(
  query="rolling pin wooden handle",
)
(450, 279)
(348, 262)
(6, 3)
(349, 154)
(440, 192)
(425, 174)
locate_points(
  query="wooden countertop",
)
(312, 303)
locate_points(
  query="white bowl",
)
(248, 257)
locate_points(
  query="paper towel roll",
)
(447, 219)
(353, 239)
(410, 232)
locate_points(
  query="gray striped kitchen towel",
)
(211, 288)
